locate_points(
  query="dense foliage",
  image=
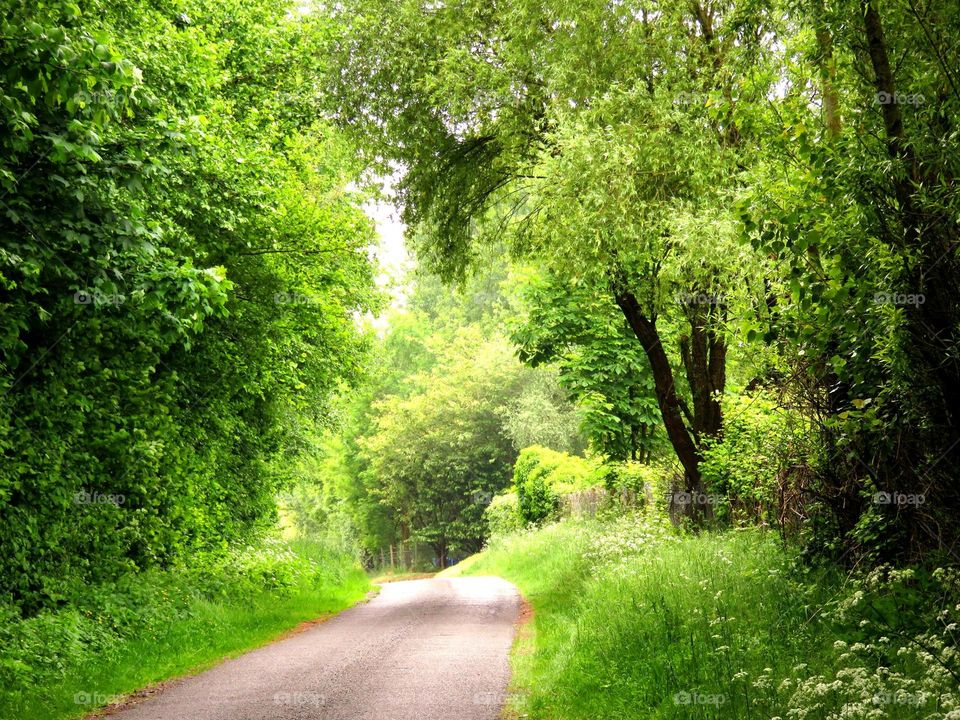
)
(439, 455)
(541, 476)
(856, 203)
(765, 192)
(180, 265)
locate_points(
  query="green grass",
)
(177, 623)
(632, 621)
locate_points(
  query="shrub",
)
(762, 444)
(630, 483)
(503, 515)
(537, 501)
(541, 476)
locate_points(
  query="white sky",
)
(391, 252)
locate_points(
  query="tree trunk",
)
(932, 323)
(704, 359)
(667, 398)
(828, 74)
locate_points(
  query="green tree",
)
(438, 456)
(542, 414)
(180, 266)
(600, 364)
(597, 136)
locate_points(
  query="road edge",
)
(148, 692)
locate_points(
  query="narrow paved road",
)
(421, 650)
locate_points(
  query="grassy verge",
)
(633, 621)
(117, 639)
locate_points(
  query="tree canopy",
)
(756, 187)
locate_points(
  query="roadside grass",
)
(634, 621)
(168, 624)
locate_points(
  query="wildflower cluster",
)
(902, 664)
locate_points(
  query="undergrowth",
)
(634, 620)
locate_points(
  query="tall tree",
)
(589, 133)
(438, 456)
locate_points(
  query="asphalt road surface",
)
(421, 650)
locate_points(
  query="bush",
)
(503, 515)
(541, 476)
(629, 483)
(762, 444)
(536, 501)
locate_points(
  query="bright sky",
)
(395, 261)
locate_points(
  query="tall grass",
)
(632, 621)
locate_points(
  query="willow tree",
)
(597, 136)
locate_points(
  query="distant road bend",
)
(421, 650)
